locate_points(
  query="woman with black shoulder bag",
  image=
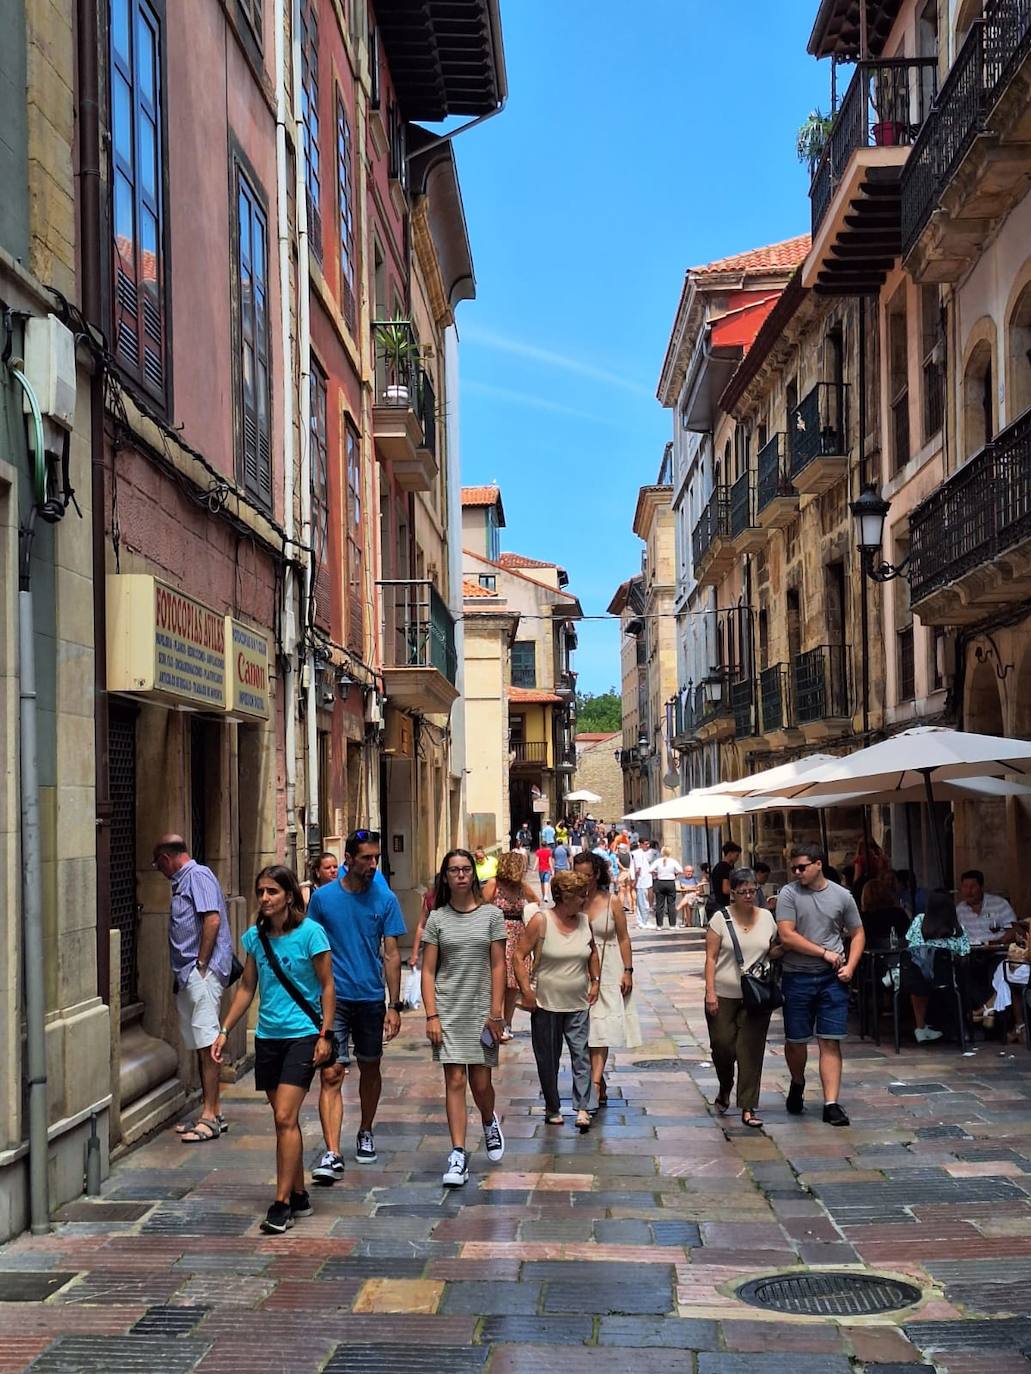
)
(740, 941)
(288, 964)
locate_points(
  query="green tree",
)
(599, 711)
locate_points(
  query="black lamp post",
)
(870, 512)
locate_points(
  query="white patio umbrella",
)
(962, 789)
(583, 795)
(772, 780)
(694, 808)
(922, 756)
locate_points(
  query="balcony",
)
(528, 754)
(712, 550)
(743, 709)
(714, 718)
(776, 500)
(818, 438)
(970, 541)
(746, 535)
(820, 683)
(969, 165)
(776, 707)
(404, 415)
(684, 722)
(855, 192)
(420, 665)
(629, 758)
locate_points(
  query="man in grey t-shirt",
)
(813, 917)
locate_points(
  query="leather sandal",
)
(749, 1118)
(205, 1129)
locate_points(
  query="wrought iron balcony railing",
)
(742, 506)
(821, 683)
(949, 130)
(419, 631)
(775, 697)
(533, 752)
(742, 706)
(885, 105)
(427, 408)
(713, 523)
(818, 426)
(772, 473)
(976, 515)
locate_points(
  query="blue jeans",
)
(814, 1003)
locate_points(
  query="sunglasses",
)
(801, 868)
(365, 836)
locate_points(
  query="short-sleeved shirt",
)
(755, 943)
(978, 924)
(279, 1016)
(821, 917)
(486, 868)
(958, 944)
(560, 860)
(666, 868)
(357, 923)
(721, 871)
(196, 892)
(544, 860)
(548, 834)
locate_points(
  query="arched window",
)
(978, 399)
(1018, 360)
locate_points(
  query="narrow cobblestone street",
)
(574, 1252)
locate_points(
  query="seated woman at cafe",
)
(936, 928)
(882, 915)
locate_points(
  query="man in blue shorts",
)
(813, 917)
(363, 920)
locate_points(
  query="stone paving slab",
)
(613, 1251)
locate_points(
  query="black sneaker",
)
(835, 1115)
(365, 1148)
(329, 1168)
(277, 1219)
(795, 1101)
(300, 1205)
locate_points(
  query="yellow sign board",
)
(247, 670)
(163, 643)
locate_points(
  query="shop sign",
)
(247, 675)
(163, 643)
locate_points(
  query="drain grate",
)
(829, 1294)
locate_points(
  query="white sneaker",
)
(494, 1141)
(329, 1168)
(457, 1171)
(925, 1033)
(365, 1148)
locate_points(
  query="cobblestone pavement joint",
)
(574, 1251)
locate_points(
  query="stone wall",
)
(599, 771)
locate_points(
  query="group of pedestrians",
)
(320, 963)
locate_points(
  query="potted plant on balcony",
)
(889, 100)
(396, 341)
(812, 138)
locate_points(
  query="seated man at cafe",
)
(987, 918)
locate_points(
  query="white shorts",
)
(200, 1007)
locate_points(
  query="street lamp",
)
(713, 688)
(870, 511)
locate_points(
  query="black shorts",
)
(360, 1024)
(283, 1061)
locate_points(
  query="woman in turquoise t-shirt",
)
(287, 1046)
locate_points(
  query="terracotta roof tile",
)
(470, 588)
(593, 736)
(520, 560)
(531, 695)
(480, 496)
(771, 258)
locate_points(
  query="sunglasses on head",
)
(365, 836)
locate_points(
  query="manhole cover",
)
(658, 1065)
(829, 1294)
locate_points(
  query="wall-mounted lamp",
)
(870, 511)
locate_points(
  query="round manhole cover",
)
(829, 1294)
(658, 1065)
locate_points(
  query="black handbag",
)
(760, 983)
(299, 997)
(235, 971)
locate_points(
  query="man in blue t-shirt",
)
(362, 918)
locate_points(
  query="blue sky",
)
(638, 140)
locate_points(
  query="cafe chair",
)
(944, 984)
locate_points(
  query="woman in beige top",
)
(566, 965)
(737, 1037)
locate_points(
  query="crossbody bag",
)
(298, 996)
(760, 982)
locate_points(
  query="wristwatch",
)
(397, 1006)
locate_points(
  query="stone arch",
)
(1018, 345)
(1020, 693)
(983, 709)
(978, 395)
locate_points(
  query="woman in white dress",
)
(614, 1021)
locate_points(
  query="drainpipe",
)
(304, 413)
(92, 308)
(289, 590)
(31, 859)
